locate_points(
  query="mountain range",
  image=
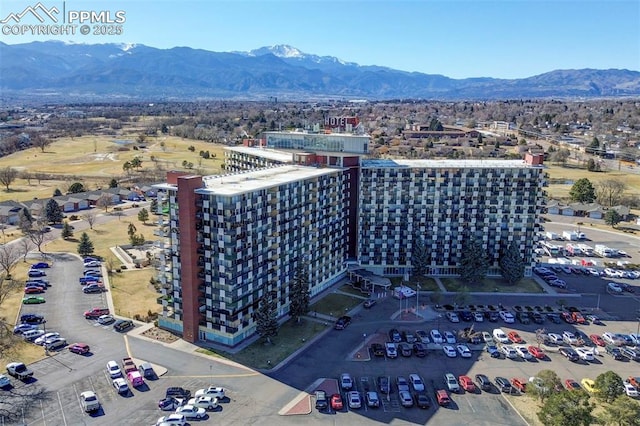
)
(55, 70)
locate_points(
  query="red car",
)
(577, 317)
(442, 397)
(336, 402)
(596, 339)
(536, 352)
(635, 381)
(33, 290)
(520, 384)
(467, 384)
(571, 384)
(79, 348)
(515, 337)
(566, 316)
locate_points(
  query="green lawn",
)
(498, 285)
(335, 304)
(347, 288)
(426, 283)
(291, 337)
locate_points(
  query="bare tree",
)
(20, 400)
(40, 176)
(40, 141)
(25, 246)
(90, 217)
(27, 176)
(610, 191)
(105, 201)
(7, 176)
(8, 258)
(39, 236)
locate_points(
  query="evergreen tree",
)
(143, 215)
(570, 408)
(299, 295)
(419, 257)
(609, 386)
(25, 220)
(512, 264)
(473, 262)
(57, 193)
(76, 188)
(67, 231)
(266, 316)
(113, 183)
(85, 246)
(131, 230)
(53, 212)
(612, 218)
(621, 412)
(583, 191)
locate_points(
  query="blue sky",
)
(459, 39)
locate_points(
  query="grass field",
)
(571, 174)
(498, 285)
(95, 160)
(335, 304)
(291, 336)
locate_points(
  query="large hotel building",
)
(314, 198)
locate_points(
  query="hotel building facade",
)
(231, 238)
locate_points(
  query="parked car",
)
(336, 402)
(442, 397)
(523, 352)
(92, 264)
(405, 398)
(589, 385)
(391, 350)
(123, 325)
(416, 382)
(409, 337)
(40, 265)
(614, 351)
(423, 336)
(483, 382)
(523, 317)
(569, 338)
(422, 400)
(449, 351)
(178, 392)
(191, 412)
(106, 319)
(571, 384)
(405, 349)
(478, 317)
(33, 290)
(377, 349)
(536, 352)
(395, 336)
(172, 419)
(503, 384)
(597, 340)
(453, 317)
(322, 401)
(554, 318)
(519, 384)
(492, 350)
(346, 382)
(384, 385)
(32, 319)
(47, 337)
(369, 303)
(215, 391)
(537, 318)
(578, 318)
(113, 369)
(449, 337)
(96, 313)
(585, 354)
(89, 401)
(21, 328)
(56, 344)
(467, 384)
(372, 398)
(165, 404)
(436, 337)
(205, 402)
(31, 300)
(419, 349)
(463, 350)
(353, 399)
(507, 317)
(40, 273)
(569, 353)
(402, 383)
(451, 383)
(509, 351)
(514, 337)
(500, 336)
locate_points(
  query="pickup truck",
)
(128, 365)
(19, 370)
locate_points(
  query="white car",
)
(523, 352)
(451, 382)
(569, 338)
(405, 398)
(92, 264)
(191, 412)
(203, 401)
(585, 354)
(500, 336)
(453, 317)
(554, 338)
(416, 382)
(121, 385)
(353, 399)
(172, 419)
(630, 390)
(449, 351)
(610, 338)
(214, 391)
(449, 337)
(89, 401)
(436, 337)
(635, 338)
(346, 382)
(106, 319)
(507, 317)
(463, 350)
(478, 317)
(391, 350)
(47, 336)
(594, 272)
(113, 369)
(509, 351)
(487, 337)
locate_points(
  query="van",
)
(146, 370)
(31, 335)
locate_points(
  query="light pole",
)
(211, 374)
(418, 297)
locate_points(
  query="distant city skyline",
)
(455, 38)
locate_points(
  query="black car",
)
(169, 404)
(322, 402)
(178, 392)
(632, 354)
(378, 349)
(395, 335)
(342, 322)
(419, 349)
(626, 287)
(32, 319)
(537, 318)
(122, 325)
(503, 384)
(91, 288)
(405, 349)
(422, 400)
(466, 316)
(383, 384)
(614, 351)
(483, 382)
(554, 318)
(569, 353)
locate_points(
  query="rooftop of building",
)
(260, 179)
(321, 134)
(444, 164)
(270, 154)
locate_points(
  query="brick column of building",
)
(188, 254)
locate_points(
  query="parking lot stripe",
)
(470, 405)
(64, 419)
